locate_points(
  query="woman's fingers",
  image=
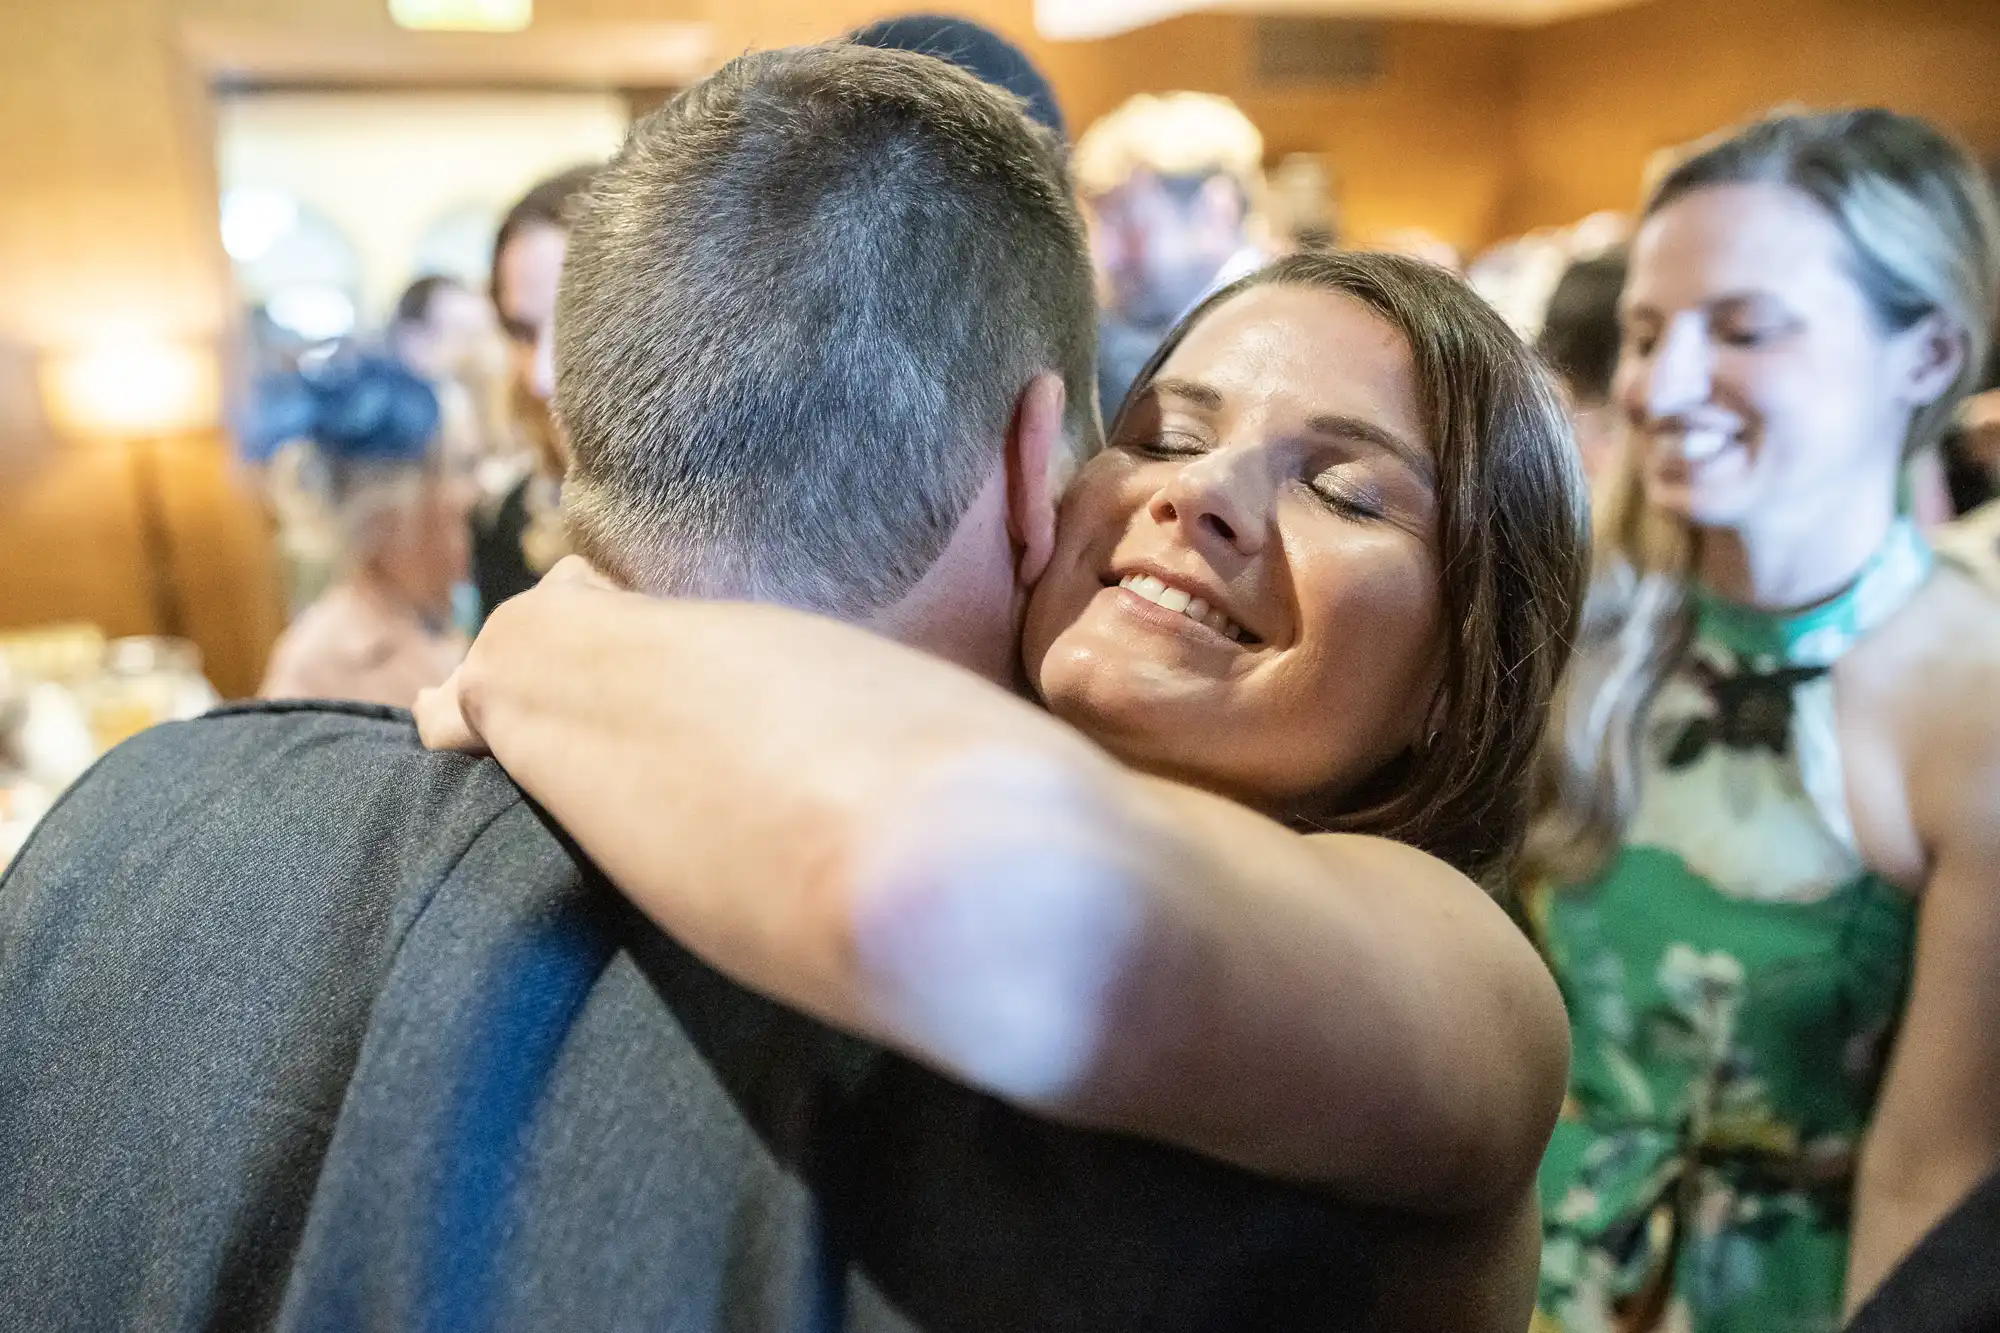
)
(441, 720)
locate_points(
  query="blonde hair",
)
(1171, 134)
(1923, 239)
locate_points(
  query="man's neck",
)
(967, 607)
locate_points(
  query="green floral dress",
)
(1733, 984)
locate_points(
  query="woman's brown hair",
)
(1513, 545)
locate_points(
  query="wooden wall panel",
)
(1426, 146)
(108, 229)
(70, 544)
(1600, 95)
(108, 218)
(71, 549)
(231, 586)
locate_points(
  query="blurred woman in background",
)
(1766, 866)
(1971, 464)
(1579, 340)
(446, 334)
(383, 630)
(517, 533)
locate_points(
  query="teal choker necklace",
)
(1766, 655)
(1821, 635)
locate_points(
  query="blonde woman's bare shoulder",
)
(1946, 640)
(1927, 689)
(1920, 705)
(1953, 627)
(1954, 686)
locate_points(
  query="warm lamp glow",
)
(128, 389)
(1083, 20)
(463, 15)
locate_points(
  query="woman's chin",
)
(1147, 714)
(1105, 703)
(1160, 721)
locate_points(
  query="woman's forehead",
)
(1736, 239)
(1305, 350)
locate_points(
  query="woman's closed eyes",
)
(1329, 487)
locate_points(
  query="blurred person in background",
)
(1172, 182)
(1422, 243)
(517, 531)
(1970, 461)
(980, 52)
(444, 332)
(399, 507)
(1764, 874)
(1972, 449)
(437, 324)
(1579, 340)
(1300, 202)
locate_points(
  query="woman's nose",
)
(1680, 370)
(1213, 500)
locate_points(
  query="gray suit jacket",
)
(302, 1026)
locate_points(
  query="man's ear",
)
(1931, 353)
(1035, 445)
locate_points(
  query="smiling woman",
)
(1324, 577)
(1244, 478)
(1392, 544)
(1768, 858)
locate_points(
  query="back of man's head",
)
(796, 319)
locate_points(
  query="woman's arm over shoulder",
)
(908, 852)
(1936, 1131)
(1495, 1031)
(1371, 1019)
(1141, 956)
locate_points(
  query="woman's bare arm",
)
(1936, 1131)
(898, 847)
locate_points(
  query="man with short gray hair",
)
(796, 258)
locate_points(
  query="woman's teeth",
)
(1698, 446)
(1177, 599)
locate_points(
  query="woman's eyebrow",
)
(1338, 425)
(1191, 391)
(1744, 303)
(1367, 432)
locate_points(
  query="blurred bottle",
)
(144, 682)
(67, 696)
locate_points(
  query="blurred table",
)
(68, 694)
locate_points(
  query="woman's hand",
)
(441, 720)
(440, 711)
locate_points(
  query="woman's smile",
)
(1213, 565)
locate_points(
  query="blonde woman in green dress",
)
(1769, 865)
